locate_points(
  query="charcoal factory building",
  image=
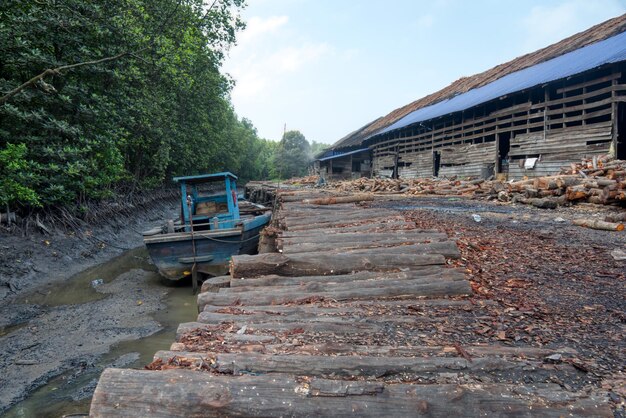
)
(527, 117)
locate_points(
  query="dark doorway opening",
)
(504, 146)
(620, 148)
(436, 163)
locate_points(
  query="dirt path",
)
(54, 320)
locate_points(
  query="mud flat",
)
(75, 302)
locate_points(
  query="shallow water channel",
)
(59, 396)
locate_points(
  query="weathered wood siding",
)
(576, 115)
(467, 160)
(417, 164)
(558, 148)
(383, 165)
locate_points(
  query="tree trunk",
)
(214, 284)
(347, 365)
(337, 200)
(598, 224)
(339, 218)
(275, 280)
(383, 226)
(339, 292)
(398, 236)
(345, 282)
(577, 193)
(187, 393)
(616, 217)
(446, 248)
(306, 264)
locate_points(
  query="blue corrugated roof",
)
(201, 178)
(343, 154)
(608, 51)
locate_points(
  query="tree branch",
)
(55, 71)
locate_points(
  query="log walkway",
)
(356, 313)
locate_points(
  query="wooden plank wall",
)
(421, 164)
(558, 148)
(467, 160)
(345, 165)
(383, 164)
(576, 114)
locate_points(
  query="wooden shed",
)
(527, 117)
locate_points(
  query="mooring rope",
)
(229, 242)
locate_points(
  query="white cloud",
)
(249, 85)
(258, 26)
(268, 52)
(257, 73)
(548, 24)
(291, 59)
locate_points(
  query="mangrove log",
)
(446, 248)
(598, 224)
(188, 393)
(314, 264)
(406, 235)
(616, 217)
(336, 200)
(275, 280)
(292, 294)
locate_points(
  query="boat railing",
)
(212, 224)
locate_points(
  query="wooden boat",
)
(212, 228)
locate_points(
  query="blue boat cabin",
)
(208, 211)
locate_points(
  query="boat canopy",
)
(197, 209)
(205, 178)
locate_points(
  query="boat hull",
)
(173, 254)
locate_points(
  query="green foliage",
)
(293, 155)
(162, 109)
(14, 181)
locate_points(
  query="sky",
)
(328, 67)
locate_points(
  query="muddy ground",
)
(555, 285)
(60, 312)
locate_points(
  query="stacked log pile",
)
(358, 312)
(419, 186)
(306, 180)
(602, 182)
